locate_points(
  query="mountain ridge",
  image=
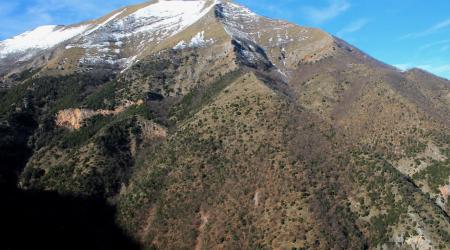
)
(90, 28)
(231, 130)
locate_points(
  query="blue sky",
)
(404, 33)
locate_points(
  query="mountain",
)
(204, 125)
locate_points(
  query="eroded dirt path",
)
(204, 216)
(257, 197)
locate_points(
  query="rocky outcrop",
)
(445, 190)
(151, 130)
(74, 118)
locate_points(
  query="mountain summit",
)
(208, 126)
(123, 37)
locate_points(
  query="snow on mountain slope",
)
(104, 22)
(104, 40)
(123, 37)
(43, 37)
(238, 20)
(173, 16)
(284, 44)
(197, 41)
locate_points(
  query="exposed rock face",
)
(74, 118)
(419, 242)
(151, 130)
(445, 191)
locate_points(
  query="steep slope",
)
(209, 126)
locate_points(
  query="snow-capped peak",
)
(157, 20)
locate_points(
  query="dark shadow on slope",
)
(14, 149)
(44, 220)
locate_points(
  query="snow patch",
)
(180, 45)
(43, 37)
(171, 17)
(128, 62)
(197, 41)
(234, 16)
(104, 23)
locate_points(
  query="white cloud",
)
(431, 30)
(321, 15)
(433, 44)
(441, 25)
(437, 69)
(353, 27)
